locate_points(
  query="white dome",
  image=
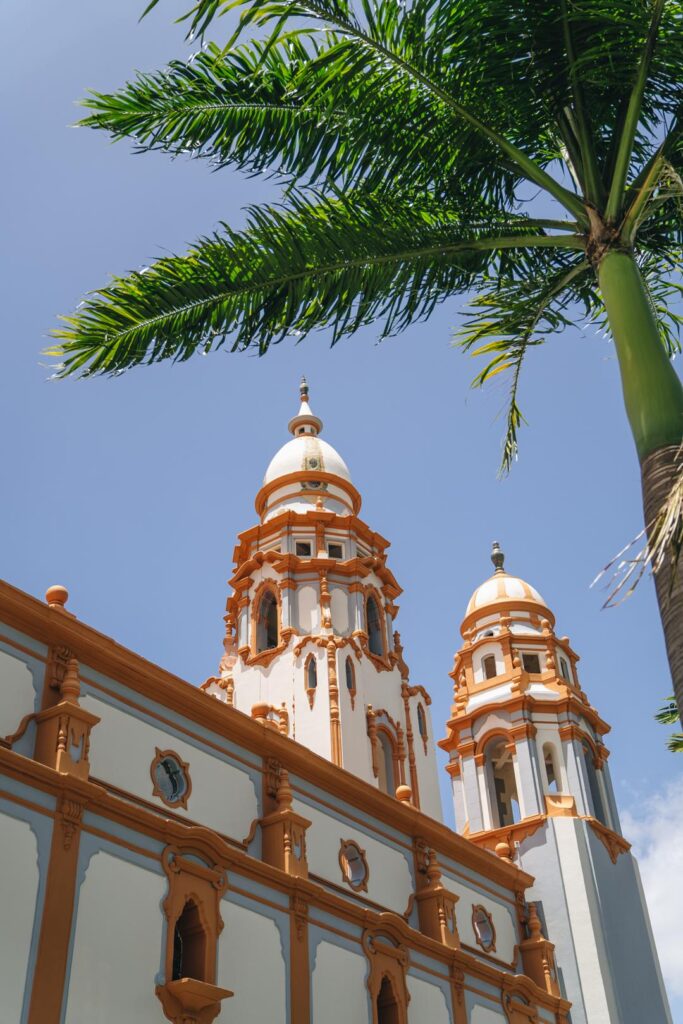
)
(502, 587)
(306, 452)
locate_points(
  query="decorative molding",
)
(346, 847)
(63, 729)
(479, 911)
(149, 683)
(612, 841)
(513, 835)
(436, 906)
(196, 880)
(284, 833)
(215, 849)
(188, 1001)
(184, 796)
(386, 981)
(560, 805)
(335, 718)
(52, 956)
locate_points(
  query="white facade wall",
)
(117, 944)
(17, 693)
(223, 797)
(339, 993)
(252, 964)
(390, 879)
(19, 880)
(428, 1003)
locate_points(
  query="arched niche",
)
(502, 782)
(267, 621)
(196, 883)
(597, 801)
(375, 630)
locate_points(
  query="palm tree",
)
(529, 150)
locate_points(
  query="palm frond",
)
(517, 312)
(661, 541)
(668, 715)
(338, 261)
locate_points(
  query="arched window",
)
(267, 625)
(551, 772)
(488, 665)
(564, 670)
(388, 1011)
(311, 673)
(350, 675)
(422, 725)
(503, 785)
(375, 641)
(189, 945)
(594, 784)
(386, 775)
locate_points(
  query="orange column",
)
(299, 977)
(55, 930)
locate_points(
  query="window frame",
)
(268, 588)
(360, 884)
(159, 757)
(487, 658)
(380, 631)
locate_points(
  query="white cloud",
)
(655, 828)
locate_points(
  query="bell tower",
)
(531, 783)
(310, 646)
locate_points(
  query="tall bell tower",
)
(531, 783)
(310, 646)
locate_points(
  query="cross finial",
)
(497, 557)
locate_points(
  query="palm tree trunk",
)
(658, 470)
(653, 396)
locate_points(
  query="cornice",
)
(92, 796)
(95, 650)
(465, 721)
(302, 476)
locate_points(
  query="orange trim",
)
(55, 927)
(101, 654)
(490, 946)
(299, 976)
(159, 756)
(197, 881)
(302, 476)
(361, 885)
(386, 979)
(612, 841)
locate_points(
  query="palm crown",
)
(409, 136)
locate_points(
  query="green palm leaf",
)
(341, 261)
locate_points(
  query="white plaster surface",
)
(307, 608)
(427, 1002)
(339, 990)
(18, 890)
(339, 607)
(17, 696)
(251, 964)
(583, 912)
(390, 881)
(123, 747)
(117, 944)
(485, 1015)
(503, 917)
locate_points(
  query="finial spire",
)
(305, 422)
(497, 557)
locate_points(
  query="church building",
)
(269, 846)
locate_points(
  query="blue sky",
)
(131, 491)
